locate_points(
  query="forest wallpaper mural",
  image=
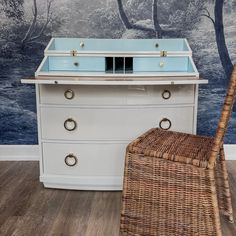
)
(26, 27)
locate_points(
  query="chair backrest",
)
(224, 119)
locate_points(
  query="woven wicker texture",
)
(175, 146)
(176, 184)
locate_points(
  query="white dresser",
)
(86, 119)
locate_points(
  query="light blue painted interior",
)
(190, 66)
(45, 65)
(97, 64)
(52, 45)
(65, 63)
(165, 64)
(67, 44)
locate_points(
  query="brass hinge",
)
(163, 53)
(73, 53)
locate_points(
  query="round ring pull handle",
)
(70, 124)
(69, 94)
(165, 124)
(166, 94)
(71, 160)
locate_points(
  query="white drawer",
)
(116, 95)
(110, 123)
(82, 95)
(92, 159)
(160, 95)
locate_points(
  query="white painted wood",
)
(110, 110)
(103, 74)
(230, 151)
(99, 183)
(39, 129)
(112, 123)
(116, 95)
(193, 65)
(19, 153)
(48, 46)
(116, 54)
(93, 80)
(153, 95)
(93, 159)
(188, 46)
(41, 65)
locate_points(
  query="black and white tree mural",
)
(218, 23)
(34, 31)
(26, 26)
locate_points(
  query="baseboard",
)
(19, 152)
(230, 151)
(31, 152)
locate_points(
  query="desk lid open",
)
(118, 80)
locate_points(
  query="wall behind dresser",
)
(27, 25)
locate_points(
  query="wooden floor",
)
(26, 208)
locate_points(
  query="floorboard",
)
(26, 208)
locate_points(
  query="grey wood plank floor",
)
(28, 209)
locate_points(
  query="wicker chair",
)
(176, 184)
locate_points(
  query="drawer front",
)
(84, 159)
(160, 95)
(162, 64)
(82, 95)
(111, 124)
(76, 63)
(116, 95)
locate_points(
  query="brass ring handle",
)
(69, 94)
(166, 94)
(71, 160)
(165, 120)
(70, 124)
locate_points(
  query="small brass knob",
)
(165, 124)
(161, 64)
(69, 94)
(70, 124)
(81, 44)
(71, 160)
(76, 63)
(166, 94)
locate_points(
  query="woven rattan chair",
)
(176, 184)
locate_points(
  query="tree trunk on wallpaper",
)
(156, 24)
(123, 16)
(128, 25)
(220, 38)
(34, 33)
